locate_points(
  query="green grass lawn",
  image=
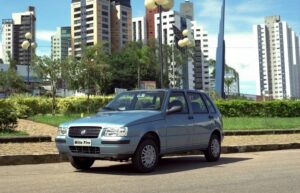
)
(258, 123)
(236, 123)
(9, 133)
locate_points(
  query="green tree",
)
(10, 81)
(139, 56)
(49, 71)
(90, 73)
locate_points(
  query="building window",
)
(105, 13)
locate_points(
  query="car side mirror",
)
(174, 109)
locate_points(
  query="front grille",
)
(87, 150)
(84, 132)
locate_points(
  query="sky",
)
(241, 15)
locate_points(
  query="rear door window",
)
(197, 103)
(209, 104)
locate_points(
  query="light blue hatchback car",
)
(143, 126)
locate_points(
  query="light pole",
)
(184, 43)
(28, 45)
(160, 5)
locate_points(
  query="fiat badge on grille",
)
(83, 132)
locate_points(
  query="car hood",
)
(117, 118)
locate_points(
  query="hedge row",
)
(237, 108)
(28, 106)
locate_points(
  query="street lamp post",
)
(28, 45)
(160, 5)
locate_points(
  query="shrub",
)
(8, 118)
(240, 108)
(26, 106)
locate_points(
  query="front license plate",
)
(82, 142)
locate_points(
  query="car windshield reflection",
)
(137, 100)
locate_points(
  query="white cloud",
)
(253, 6)
(210, 8)
(44, 35)
(241, 55)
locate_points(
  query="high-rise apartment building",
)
(90, 24)
(170, 18)
(100, 21)
(139, 30)
(201, 51)
(13, 35)
(278, 59)
(60, 43)
(150, 22)
(121, 16)
(187, 9)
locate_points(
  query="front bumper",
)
(101, 147)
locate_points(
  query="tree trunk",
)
(53, 99)
(139, 76)
(88, 101)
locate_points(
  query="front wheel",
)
(81, 163)
(213, 151)
(145, 158)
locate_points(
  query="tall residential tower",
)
(60, 43)
(100, 21)
(13, 35)
(278, 59)
(90, 24)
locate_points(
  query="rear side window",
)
(197, 103)
(178, 99)
(209, 104)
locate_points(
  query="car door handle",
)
(190, 117)
(210, 116)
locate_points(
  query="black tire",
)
(138, 159)
(81, 163)
(213, 151)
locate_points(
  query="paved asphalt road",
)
(266, 172)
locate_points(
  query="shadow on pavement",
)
(167, 165)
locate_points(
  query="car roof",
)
(166, 90)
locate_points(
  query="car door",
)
(202, 122)
(179, 125)
(213, 116)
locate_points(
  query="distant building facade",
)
(121, 21)
(100, 21)
(90, 24)
(187, 9)
(139, 29)
(60, 43)
(13, 35)
(201, 54)
(170, 19)
(278, 59)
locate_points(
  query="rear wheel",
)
(213, 151)
(81, 163)
(145, 158)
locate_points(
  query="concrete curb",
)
(31, 159)
(25, 139)
(56, 158)
(262, 132)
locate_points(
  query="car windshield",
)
(137, 100)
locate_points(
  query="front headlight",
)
(115, 132)
(62, 130)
